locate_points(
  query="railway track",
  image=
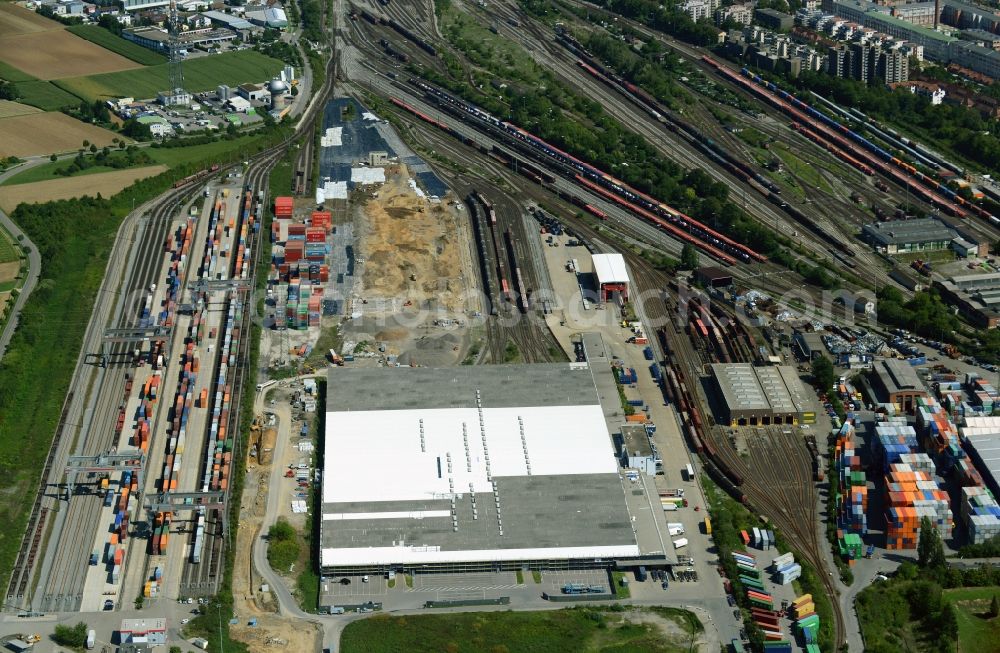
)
(90, 432)
(63, 528)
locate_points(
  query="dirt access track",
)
(105, 183)
(47, 51)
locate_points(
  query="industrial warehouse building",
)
(760, 396)
(636, 450)
(905, 236)
(897, 383)
(982, 442)
(470, 468)
(611, 276)
(977, 297)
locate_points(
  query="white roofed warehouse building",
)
(477, 468)
(611, 276)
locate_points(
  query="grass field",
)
(45, 95)
(977, 632)
(200, 74)
(57, 53)
(8, 252)
(9, 109)
(44, 133)
(600, 630)
(12, 74)
(170, 157)
(117, 44)
(107, 184)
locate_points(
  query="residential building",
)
(869, 63)
(981, 38)
(698, 9)
(740, 14)
(773, 19)
(935, 92)
(975, 57)
(918, 13)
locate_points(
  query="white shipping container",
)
(680, 543)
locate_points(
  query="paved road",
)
(34, 260)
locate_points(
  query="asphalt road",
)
(34, 261)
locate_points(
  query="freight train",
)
(522, 293)
(679, 225)
(548, 151)
(719, 155)
(935, 193)
(410, 36)
(196, 176)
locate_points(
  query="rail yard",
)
(135, 498)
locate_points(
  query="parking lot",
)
(553, 581)
(463, 582)
(356, 591)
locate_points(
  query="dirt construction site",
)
(412, 293)
(417, 289)
(272, 632)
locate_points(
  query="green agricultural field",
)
(8, 252)
(45, 95)
(11, 74)
(977, 631)
(118, 45)
(600, 630)
(200, 74)
(223, 150)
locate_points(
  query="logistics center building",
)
(760, 396)
(482, 468)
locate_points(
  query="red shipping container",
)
(283, 207)
(315, 234)
(321, 218)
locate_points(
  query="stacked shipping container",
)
(852, 488)
(911, 496)
(299, 259)
(981, 514)
(938, 434)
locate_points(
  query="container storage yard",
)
(173, 421)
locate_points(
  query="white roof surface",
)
(365, 175)
(559, 440)
(335, 190)
(405, 553)
(332, 137)
(610, 268)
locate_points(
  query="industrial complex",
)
(502, 467)
(401, 353)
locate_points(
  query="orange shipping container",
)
(113, 539)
